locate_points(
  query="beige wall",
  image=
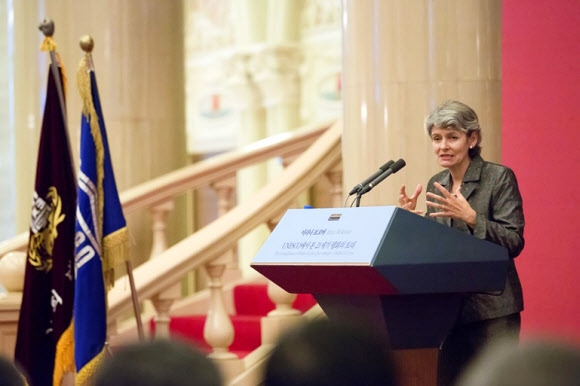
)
(138, 57)
(7, 191)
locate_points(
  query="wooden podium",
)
(402, 272)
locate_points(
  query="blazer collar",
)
(470, 179)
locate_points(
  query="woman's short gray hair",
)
(456, 115)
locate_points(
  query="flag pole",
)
(136, 308)
(87, 44)
(47, 28)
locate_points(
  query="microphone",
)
(376, 174)
(395, 167)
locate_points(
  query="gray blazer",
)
(492, 191)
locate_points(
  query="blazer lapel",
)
(472, 176)
(470, 181)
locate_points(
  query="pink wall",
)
(541, 142)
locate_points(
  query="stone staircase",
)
(251, 304)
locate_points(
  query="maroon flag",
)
(44, 344)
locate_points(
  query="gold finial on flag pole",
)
(87, 44)
(47, 28)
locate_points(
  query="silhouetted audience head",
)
(9, 374)
(325, 352)
(156, 363)
(531, 363)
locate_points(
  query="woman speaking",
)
(483, 199)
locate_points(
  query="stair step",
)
(251, 304)
(252, 299)
(247, 331)
(260, 304)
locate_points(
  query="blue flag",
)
(100, 232)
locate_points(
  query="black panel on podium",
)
(402, 271)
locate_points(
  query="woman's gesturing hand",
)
(452, 205)
(410, 203)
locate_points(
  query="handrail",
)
(156, 275)
(17, 243)
(218, 167)
(201, 173)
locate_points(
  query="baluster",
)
(303, 198)
(224, 190)
(159, 214)
(283, 316)
(282, 299)
(218, 330)
(163, 301)
(334, 175)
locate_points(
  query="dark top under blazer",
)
(492, 191)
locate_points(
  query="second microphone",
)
(395, 167)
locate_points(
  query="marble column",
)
(321, 74)
(276, 71)
(252, 122)
(401, 59)
(7, 153)
(250, 33)
(30, 69)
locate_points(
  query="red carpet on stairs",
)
(251, 303)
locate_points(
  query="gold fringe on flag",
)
(49, 45)
(115, 250)
(85, 376)
(64, 361)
